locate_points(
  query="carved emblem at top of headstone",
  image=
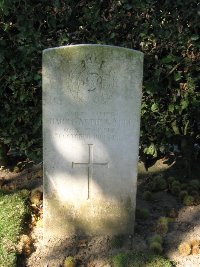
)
(93, 80)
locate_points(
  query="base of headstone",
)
(91, 218)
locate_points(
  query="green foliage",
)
(12, 213)
(167, 34)
(139, 259)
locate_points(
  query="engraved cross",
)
(90, 165)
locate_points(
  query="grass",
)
(139, 259)
(12, 213)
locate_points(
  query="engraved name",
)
(101, 125)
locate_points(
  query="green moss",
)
(163, 220)
(183, 194)
(184, 186)
(140, 259)
(120, 260)
(117, 241)
(176, 183)
(156, 247)
(188, 200)
(151, 186)
(162, 226)
(184, 249)
(160, 183)
(194, 193)
(69, 262)
(156, 238)
(171, 179)
(147, 195)
(195, 184)
(24, 193)
(142, 214)
(175, 189)
(12, 213)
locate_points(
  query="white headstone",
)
(91, 121)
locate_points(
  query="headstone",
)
(91, 120)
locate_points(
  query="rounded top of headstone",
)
(95, 46)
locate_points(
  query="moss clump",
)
(147, 195)
(117, 241)
(164, 220)
(170, 180)
(184, 249)
(36, 197)
(195, 250)
(195, 247)
(151, 186)
(157, 183)
(161, 229)
(156, 247)
(194, 193)
(188, 200)
(195, 184)
(69, 262)
(24, 245)
(195, 242)
(142, 214)
(156, 238)
(175, 189)
(155, 244)
(184, 186)
(24, 193)
(120, 260)
(160, 183)
(137, 259)
(183, 194)
(176, 183)
(162, 226)
(172, 213)
(197, 201)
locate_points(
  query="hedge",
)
(166, 31)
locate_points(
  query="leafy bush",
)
(167, 32)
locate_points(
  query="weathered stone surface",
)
(91, 119)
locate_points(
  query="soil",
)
(93, 251)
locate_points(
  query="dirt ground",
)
(93, 252)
